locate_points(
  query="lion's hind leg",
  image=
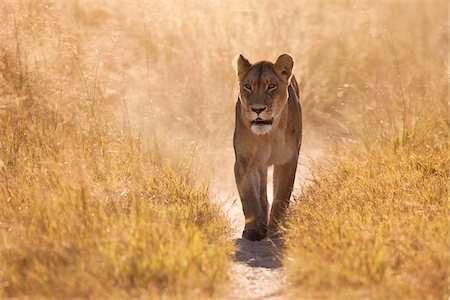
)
(283, 182)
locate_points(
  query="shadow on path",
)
(262, 254)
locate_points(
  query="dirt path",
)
(257, 272)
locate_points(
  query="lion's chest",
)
(281, 150)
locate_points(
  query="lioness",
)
(268, 131)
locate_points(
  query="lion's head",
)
(264, 90)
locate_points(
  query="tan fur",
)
(259, 145)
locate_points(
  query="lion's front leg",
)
(248, 181)
(263, 195)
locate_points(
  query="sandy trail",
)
(257, 272)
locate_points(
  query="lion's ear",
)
(284, 65)
(242, 66)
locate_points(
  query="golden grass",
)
(90, 206)
(95, 212)
(93, 207)
(373, 222)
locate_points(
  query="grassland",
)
(90, 205)
(112, 113)
(373, 225)
(373, 222)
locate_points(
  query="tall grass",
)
(102, 101)
(91, 207)
(92, 210)
(373, 223)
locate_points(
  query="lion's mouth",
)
(260, 121)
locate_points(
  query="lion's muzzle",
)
(260, 126)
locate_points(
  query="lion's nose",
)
(258, 109)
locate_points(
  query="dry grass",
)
(373, 223)
(90, 209)
(90, 206)
(90, 195)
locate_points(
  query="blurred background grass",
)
(101, 100)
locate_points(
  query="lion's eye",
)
(271, 87)
(248, 86)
